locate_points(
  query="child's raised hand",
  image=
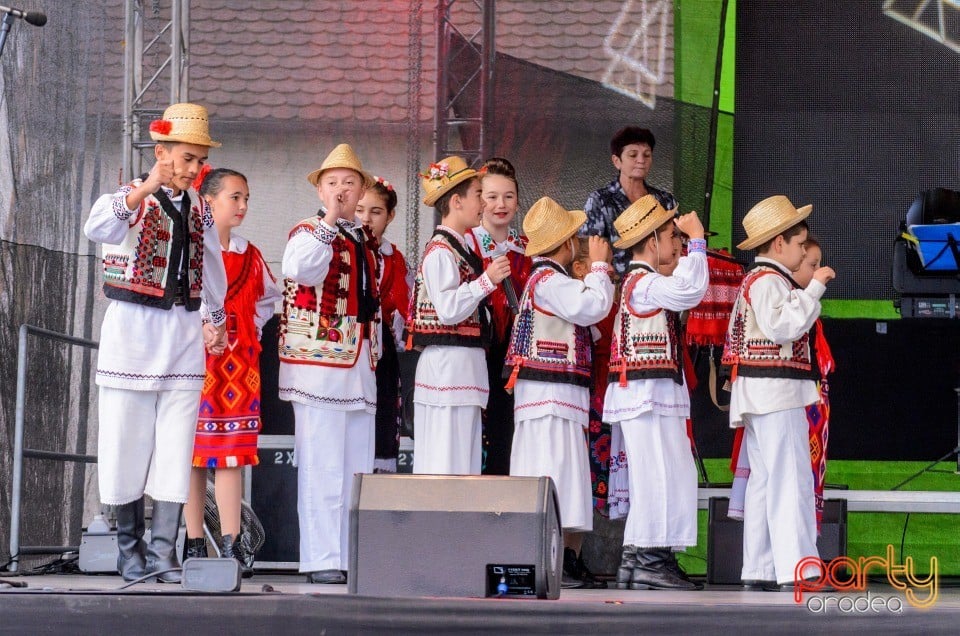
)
(160, 174)
(824, 274)
(336, 208)
(598, 249)
(690, 225)
(498, 269)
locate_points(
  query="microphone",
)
(511, 292)
(36, 18)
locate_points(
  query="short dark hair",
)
(631, 135)
(213, 182)
(443, 203)
(787, 234)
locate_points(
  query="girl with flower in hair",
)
(376, 210)
(496, 236)
(229, 417)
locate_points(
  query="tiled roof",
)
(323, 60)
(569, 36)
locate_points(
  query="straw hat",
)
(769, 218)
(547, 225)
(342, 156)
(442, 176)
(639, 220)
(184, 123)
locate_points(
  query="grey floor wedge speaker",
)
(725, 539)
(435, 535)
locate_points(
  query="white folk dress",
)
(652, 417)
(552, 417)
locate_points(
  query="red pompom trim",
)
(161, 126)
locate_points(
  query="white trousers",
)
(779, 518)
(330, 447)
(145, 444)
(555, 447)
(447, 440)
(663, 482)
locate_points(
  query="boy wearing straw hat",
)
(161, 257)
(767, 350)
(647, 395)
(448, 320)
(549, 365)
(329, 344)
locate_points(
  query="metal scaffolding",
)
(143, 58)
(461, 127)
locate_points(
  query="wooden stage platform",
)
(284, 604)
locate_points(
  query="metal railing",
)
(20, 453)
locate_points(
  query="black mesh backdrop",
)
(52, 82)
(841, 106)
(556, 129)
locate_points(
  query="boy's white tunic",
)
(147, 349)
(306, 260)
(780, 525)
(652, 415)
(551, 417)
(451, 383)
(334, 409)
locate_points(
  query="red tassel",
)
(623, 375)
(161, 126)
(512, 381)
(409, 345)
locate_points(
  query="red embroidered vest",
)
(644, 345)
(747, 350)
(423, 326)
(543, 346)
(143, 268)
(325, 325)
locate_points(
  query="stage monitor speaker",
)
(725, 539)
(455, 536)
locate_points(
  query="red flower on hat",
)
(161, 126)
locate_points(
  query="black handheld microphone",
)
(507, 283)
(36, 18)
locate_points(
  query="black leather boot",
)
(130, 527)
(628, 561)
(230, 548)
(654, 571)
(195, 549)
(570, 579)
(162, 549)
(590, 581)
(677, 569)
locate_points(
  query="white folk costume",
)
(159, 261)
(451, 385)
(151, 340)
(550, 362)
(768, 353)
(649, 401)
(329, 346)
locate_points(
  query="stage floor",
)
(284, 603)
